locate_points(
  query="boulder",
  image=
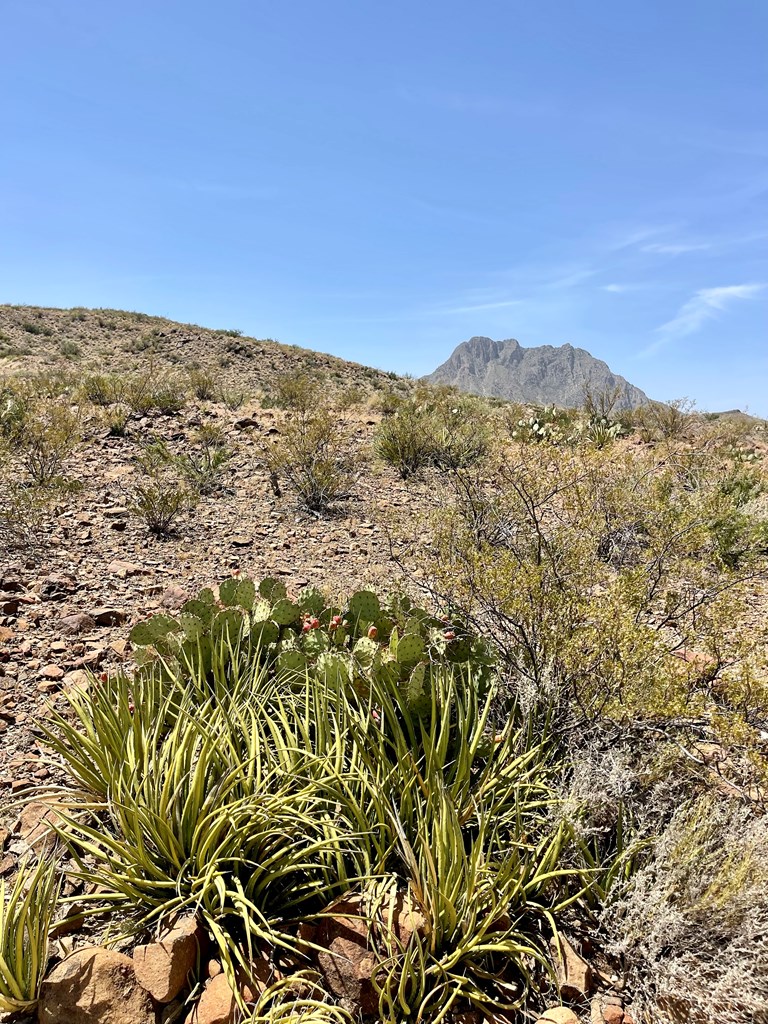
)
(217, 1004)
(163, 967)
(109, 616)
(93, 986)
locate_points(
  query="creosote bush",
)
(311, 453)
(435, 427)
(597, 573)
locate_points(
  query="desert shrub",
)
(301, 394)
(311, 453)
(23, 511)
(269, 756)
(666, 421)
(388, 401)
(103, 389)
(591, 570)
(160, 501)
(200, 464)
(169, 397)
(116, 419)
(691, 926)
(50, 432)
(69, 349)
(434, 427)
(600, 402)
(32, 328)
(234, 398)
(26, 917)
(159, 494)
(202, 384)
(405, 441)
(460, 437)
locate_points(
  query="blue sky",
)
(384, 180)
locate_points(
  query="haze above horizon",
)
(384, 181)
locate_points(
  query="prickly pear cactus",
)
(392, 641)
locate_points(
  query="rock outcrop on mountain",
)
(544, 376)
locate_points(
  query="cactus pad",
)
(285, 612)
(272, 589)
(410, 648)
(365, 605)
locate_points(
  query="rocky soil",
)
(67, 606)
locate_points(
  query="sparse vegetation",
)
(570, 736)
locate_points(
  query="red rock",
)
(52, 672)
(93, 986)
(33, 826)
(163, 967)
(109, 616)
(217, 1004)
(174, 597)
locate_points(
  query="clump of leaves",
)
(27, 912)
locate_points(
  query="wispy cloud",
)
(473, 308)
(617, 289)
(703, 306)
(676, 249)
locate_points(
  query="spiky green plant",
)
(26, 916)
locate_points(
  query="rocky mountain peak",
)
(545, 375)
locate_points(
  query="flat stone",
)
(109, 616)
(78, 622)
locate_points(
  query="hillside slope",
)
(543, 375)
(36, 338)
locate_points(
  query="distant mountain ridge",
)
(545, 375)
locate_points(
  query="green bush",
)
(311, 452)
(405, 441)
(49, 433)
(590, 569)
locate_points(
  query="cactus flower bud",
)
(372, 632)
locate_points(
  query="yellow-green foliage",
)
(26, 914)
(593, 569)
